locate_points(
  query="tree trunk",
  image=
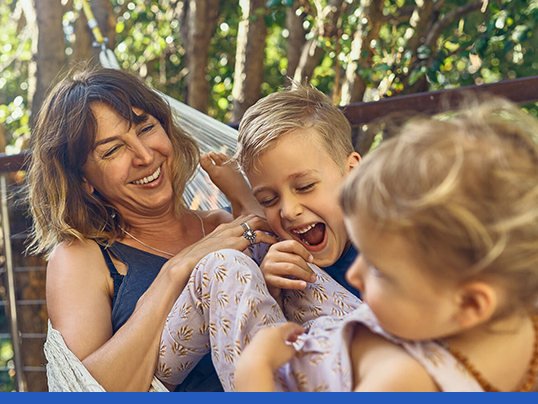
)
(296, 38)
(248, 75)
(312, 53)
(82, 45)
(202, 21)
(361, 55)
(50, 51)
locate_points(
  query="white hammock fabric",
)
(65, 372)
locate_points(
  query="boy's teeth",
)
(302, 231)
(152, 177)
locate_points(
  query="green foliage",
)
(7, 382)
(480, 47)
(15, 55)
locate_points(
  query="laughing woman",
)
(105, 185)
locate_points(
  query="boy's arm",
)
(226, 175)
(382, 366)
(269, 350)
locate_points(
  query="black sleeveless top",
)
(142, 269)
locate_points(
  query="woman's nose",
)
(143, 154)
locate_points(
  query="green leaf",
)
(272, 3)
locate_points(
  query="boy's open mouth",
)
(312, 235)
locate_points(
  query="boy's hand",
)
(285, 266)
(270, 349)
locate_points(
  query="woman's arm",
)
(79, 306)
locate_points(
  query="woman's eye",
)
(111, 151)
(146, 129)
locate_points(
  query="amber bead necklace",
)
(486, 386)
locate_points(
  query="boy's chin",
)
(325, 260)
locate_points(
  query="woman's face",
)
(130, 166)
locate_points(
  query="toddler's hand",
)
(270, 349)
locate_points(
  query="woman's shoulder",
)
(76, 256)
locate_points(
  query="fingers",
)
(295, 248)
(280, 282)
(215, 158)
(218, 157)
(290, 331)
(255, 222)
(286, 266)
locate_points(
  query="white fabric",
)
(65, 372)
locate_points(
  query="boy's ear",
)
(477, 302)
(352, 161)
(87, 186)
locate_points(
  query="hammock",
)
(65, 372)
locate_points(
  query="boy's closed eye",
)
(306, 187)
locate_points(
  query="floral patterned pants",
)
(223, 306)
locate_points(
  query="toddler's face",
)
(296, 182)
(409, 301)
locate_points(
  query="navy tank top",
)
(142, 269)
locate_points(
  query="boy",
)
(295, 149)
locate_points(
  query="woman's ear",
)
(87, 186)
(477, 302)
(352, 161)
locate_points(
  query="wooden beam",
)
(13, 162)
(520, 91)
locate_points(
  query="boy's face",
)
(297, 183)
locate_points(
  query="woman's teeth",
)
(151, 178)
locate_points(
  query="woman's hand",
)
(227, 235)
(270, 349)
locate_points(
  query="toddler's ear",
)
(352, 161)
(477, 303)
(87, 186)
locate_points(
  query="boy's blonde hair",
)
(464, 191)
(278, 114)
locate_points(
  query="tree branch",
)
(438, 27)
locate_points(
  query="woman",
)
(106, 179)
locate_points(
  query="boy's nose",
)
(290, 208)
